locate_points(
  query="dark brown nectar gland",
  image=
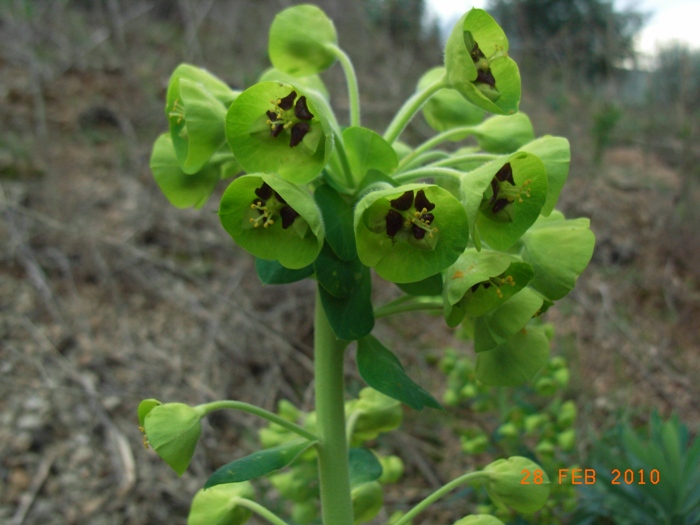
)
(269, 204)
(280, 119)
(418, 223)
(483, 71)
(504, 195)
(497, 282)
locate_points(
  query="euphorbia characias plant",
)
(472, 233)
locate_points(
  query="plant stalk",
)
(334, 476)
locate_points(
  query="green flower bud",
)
(367, 501)
(561, 377)
(410, 233)
(535, 421)
(299, 40)
(392, 469)
(218, 505)
(475, 445)
(508, 430)
(567, 439)
(378, 414)
(273, 219)
(196, 109)
(478, 66)
(505, 485)
(545, 386)
(566, 415)
(173, 430)
(545, 448)
(479, 519)
(304, 512)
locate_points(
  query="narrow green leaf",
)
(382, 370)
(259, 463)
(272, 272)
(338, 220)
(338, 277)
(364, 466)
(351, 317)
(429, 286)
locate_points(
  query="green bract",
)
(411, 232)
(278, 128)
(273, 219)
(173, 430)
(558, 250)
(478, 66)
(367, 501)
(219, 505)
(516, 361)
(447, 109)
(504, 133)
(308, 83)
(196, 108)
(181, 189)
(367, 150)
(299, 40)
(555, 153)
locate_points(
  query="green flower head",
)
(478, 66)
(409, 233)
(277, 128)
(273, 219)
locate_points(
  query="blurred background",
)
(108, 295)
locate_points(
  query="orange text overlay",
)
(589, 476)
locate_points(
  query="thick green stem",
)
(336, 503)
(410, 108)
(351, 79)
(409, 304)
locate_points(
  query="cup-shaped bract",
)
(558, 250)
(298, 42)
(273, 219)
(274, 127)
(517, 360)
(504, 198)
(196, 109)
(181, 189)
(447, 109)
(498, 326)
(480, 281)
(555, 153)
(218, 505)
(173, 430)
(505, 485)
(411, 232)
(478, 65)
(504, 133)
